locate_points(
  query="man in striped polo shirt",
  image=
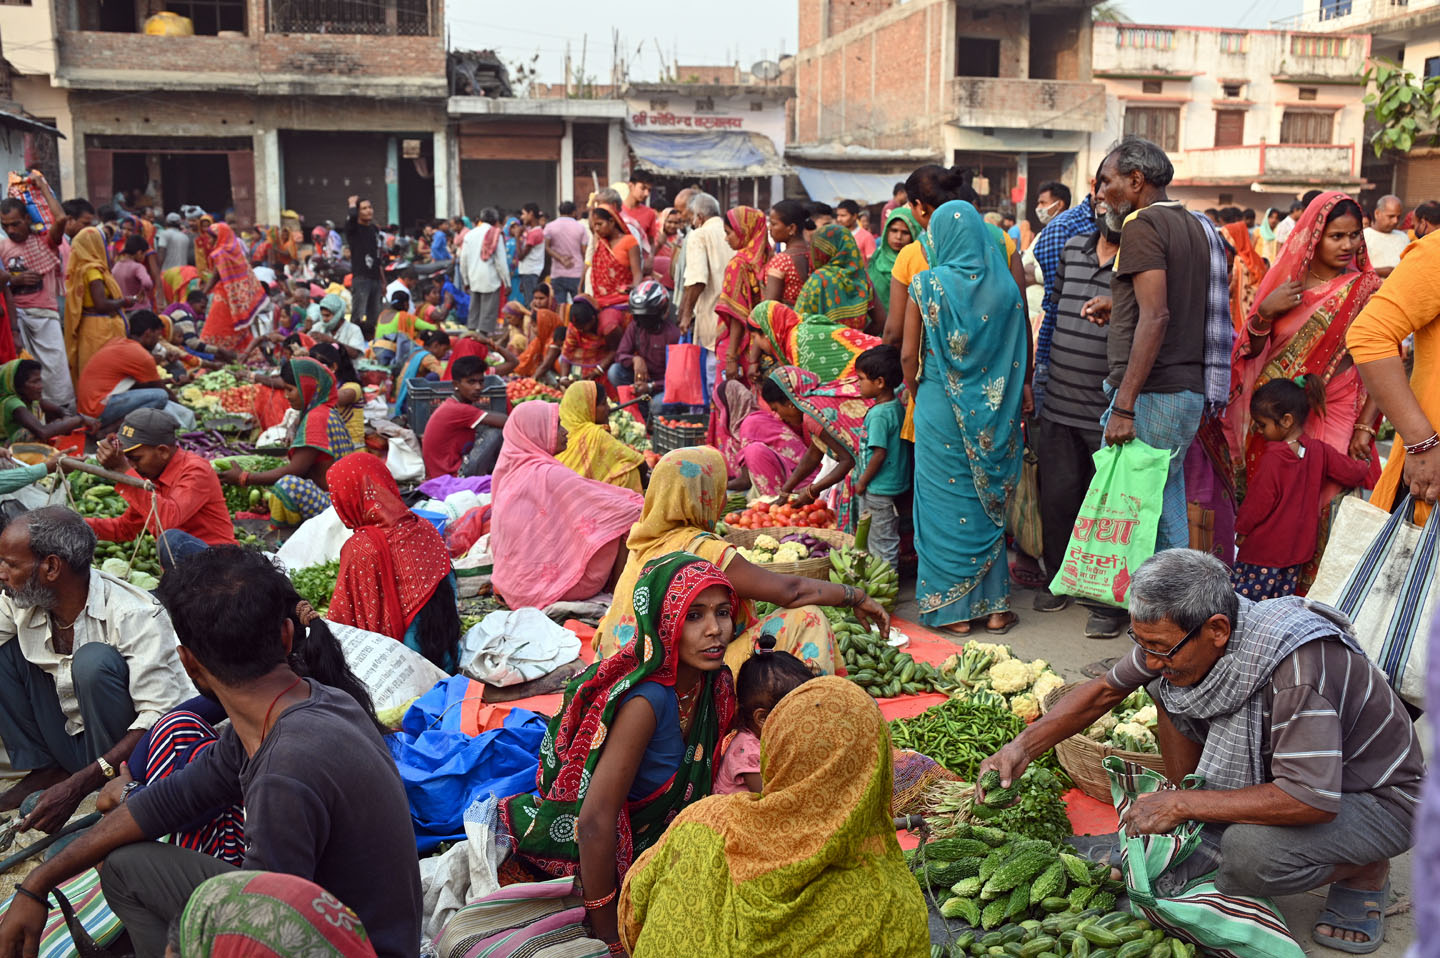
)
(1311, 765)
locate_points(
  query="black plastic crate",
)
(422, 399)
(667, 438)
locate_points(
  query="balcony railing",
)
(406, 18)
(1277, 162)
(1015, 104)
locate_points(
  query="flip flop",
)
(1010, 623)
(1027, 578)
(1348, 909)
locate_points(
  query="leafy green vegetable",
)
(316, 584)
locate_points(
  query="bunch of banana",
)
(869, 573)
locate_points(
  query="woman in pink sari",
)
(760, 451)
(554, 534)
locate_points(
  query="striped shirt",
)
(1074, 395)
(1333, 725)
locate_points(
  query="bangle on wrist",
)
(1361, 427)
(1423, 446)
(598, 903)
(244, 477)
(1253, 330)
(44, 900)
(1125, 413)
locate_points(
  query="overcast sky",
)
(742, 31)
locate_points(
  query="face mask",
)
(1045, 214)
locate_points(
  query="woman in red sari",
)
(790, 268)
(238, 294)
(744, 286)
(1317, 286)
(615, 264)
(417, 608)
(1245, 274)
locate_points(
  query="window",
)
(1145, 38)
(1152, 86)
(211, 16)
(1226, 199)
(705, 105)
(1308, 45)
(1158, 124)
(409, 18)
(1432, 67)
(1232, 90)
(1309, 93)
(1229, 127)
(757, 106)
(1330, 9)
(1306, 126)
(977, 57)
(1233, 42)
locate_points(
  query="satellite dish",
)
(766, 70)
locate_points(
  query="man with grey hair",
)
(1384, 240)
(87, 665)
(1312, 770)
(1156, 313)
(706, 256)
(485, 271)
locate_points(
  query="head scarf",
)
(544, 828)
(370, 592)
(179, 281)
(1246, 274)
(87, 252)
(547, 522)
(816, 343)
(815, 849)
(883, 261)
(592, 451)
(840, 288)
(317, 394)
(10, 401)
(974, 323)
(1266, 232)
(733, 403)
(336, 305)
(744, 284)
(253, 914)
(546, 322)
(238, 285)
(838, 409)
(512, 244)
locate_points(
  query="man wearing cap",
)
(177, 247)
(189, 506)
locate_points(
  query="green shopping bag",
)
(1117, 524)
(1231, 926)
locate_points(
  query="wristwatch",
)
(106, 768)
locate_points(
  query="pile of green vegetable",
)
(1092, 933)
(247, 498)
(316, 584)
(1032, 806)
(878, 667)
(113, 558)
(1130, 725)
(94, 497)
(990, 673)
(960, 735)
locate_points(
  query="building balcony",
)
(1270, 165)
(1014, 104)
(1332, 16)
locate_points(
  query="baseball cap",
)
(173, 220)
(147, 427)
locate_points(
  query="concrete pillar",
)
(618, 154)
(565, 173)
(392, 180)
(1022, 173)
(440, 169)
(269, 176)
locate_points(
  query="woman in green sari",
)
(901, 229)
(824, 346)
(635, 740)
(839, 288)
(965, 356)
(24, 415)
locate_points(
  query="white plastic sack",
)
(467, 871)
(318, 540)
(393, 673)
(37, 496)
(404, 463)
(455, 505)
(281, 434)
(510, 647)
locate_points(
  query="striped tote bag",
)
(1227, 926)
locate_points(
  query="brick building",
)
(1002, 88)
(270, 105)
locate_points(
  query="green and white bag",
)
(1231, 926)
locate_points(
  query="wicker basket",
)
(1081, 756)
(809, 568)
(665, 438)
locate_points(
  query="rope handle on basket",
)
(146, 485)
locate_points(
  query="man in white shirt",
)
(404, 282)
(1287, 225)
(1384, 240)
(87, 665)
(177, 247)
(706, 256)
(485, 270)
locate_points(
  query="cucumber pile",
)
(1092, 933)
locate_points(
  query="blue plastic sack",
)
(444, 769)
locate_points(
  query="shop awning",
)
(832, 186)
(718, 153)
(30, 123)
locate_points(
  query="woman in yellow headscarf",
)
(93, 300)
(592, 451)
(685, 499)
(809, 866)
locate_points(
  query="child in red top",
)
(1277, 527)
(765, 678)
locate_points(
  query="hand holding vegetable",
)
(1010, 763)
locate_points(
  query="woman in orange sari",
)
(204, 243)
(1246, 273)
(238, 294)
(615, 265)
(747, 232)
(1304, 307)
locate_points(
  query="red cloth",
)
(645, 218)
(463, 347)
(450, 428)
(112, 363)
(370, 593)
(190, 499)
(1277, 517)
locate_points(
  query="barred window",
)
(1145, 38)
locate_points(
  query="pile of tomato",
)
(525, 388)
(677, 423)
(764, 515)
(236, 398)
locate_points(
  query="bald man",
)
(1385, 241)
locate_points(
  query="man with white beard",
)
(88, 663)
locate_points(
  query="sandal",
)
(1027, 577)
(1348, 909)
(962, 629)
(1011, 620)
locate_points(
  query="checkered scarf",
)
(1230, 697)
(1219, 330)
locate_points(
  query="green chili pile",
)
(960, 735)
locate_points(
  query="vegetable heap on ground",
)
(869, 573)
(960, 734)
(113, 558)
(764, 515)
(316, 584)
(878, 667)
(1033, 806)
(94, 497)
(524, 389)
(246, 498)
(990, 673)
(629, 430)
(1130, 725)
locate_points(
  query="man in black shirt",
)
(322, 797)
(367, 264)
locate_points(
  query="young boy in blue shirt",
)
(884, 466)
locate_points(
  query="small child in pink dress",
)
(765, 678)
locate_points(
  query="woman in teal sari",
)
(965, 356)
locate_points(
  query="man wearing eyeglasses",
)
(1311, 765)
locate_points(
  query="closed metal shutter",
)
(323, 169)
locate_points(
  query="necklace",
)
(265, 726)
(63, 626)
(687, 705)
(1317, 276)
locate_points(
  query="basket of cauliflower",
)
(790, 551)
(990, 674)
(1127, 731)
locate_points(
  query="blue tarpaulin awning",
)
(832, 186)
(717, 153)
